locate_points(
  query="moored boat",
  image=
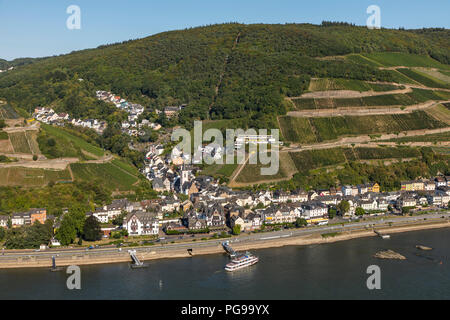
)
(241, 261)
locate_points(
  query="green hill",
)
(252, 67)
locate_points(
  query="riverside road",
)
(244, 238)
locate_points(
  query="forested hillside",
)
(220, 71)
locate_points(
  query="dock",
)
(382, 236)
(137, 263)
(228, 249)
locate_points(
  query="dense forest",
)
(221, 71)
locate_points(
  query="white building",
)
(141, 223)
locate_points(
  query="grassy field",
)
(19, 142)
(72, 143)
(326, 84)
(424, 79)
(392, 59)
(107, 174)
(314, 159)
(28, 177)
(310, 130)
(219, 170)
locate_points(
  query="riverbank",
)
(44, 259)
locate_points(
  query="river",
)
(326, 271)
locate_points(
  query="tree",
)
(2, 233)
(67, 232)
(301, 222)
(331, 213)
(405, 210)
(344, 207)
(118, 221)
(92, 230)
(360, 211)
(237, 229)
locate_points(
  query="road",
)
(245, 238)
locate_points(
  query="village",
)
(190, 204)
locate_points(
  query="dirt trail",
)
(362, 111)
(364, 140)
(350, 94)
(238, 170)
(54, 164)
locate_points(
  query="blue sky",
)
(38, 28)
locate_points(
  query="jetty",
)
(228, 249)
(54, 267)
(137, 263)
(382, 236)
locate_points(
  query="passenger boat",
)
(241, 261)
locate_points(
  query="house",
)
(141, 223)
(279, 215)
(434, 199)
(314, 210)
(382, 204)
(171, 111)
(38, 215)
(406, 201)
(368, 205)
(20, 219)
(106, 213)
(348, 190)
(251, 222)
(440, 182)
(413, 185)
(430, 186)
(368, 187)
(4, 221)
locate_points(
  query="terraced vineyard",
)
(312, 159)
(107, 174)
(19, 142)
(415, 97)
(311, 130)
(392, 59)
(325, 84)
(8, 112)
(251, 173)
(16, 176)
(444, 136)
(68, 144)
(424, 79)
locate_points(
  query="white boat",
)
(241, 261)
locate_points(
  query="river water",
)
(327, 271)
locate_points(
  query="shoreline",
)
(82, 258)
